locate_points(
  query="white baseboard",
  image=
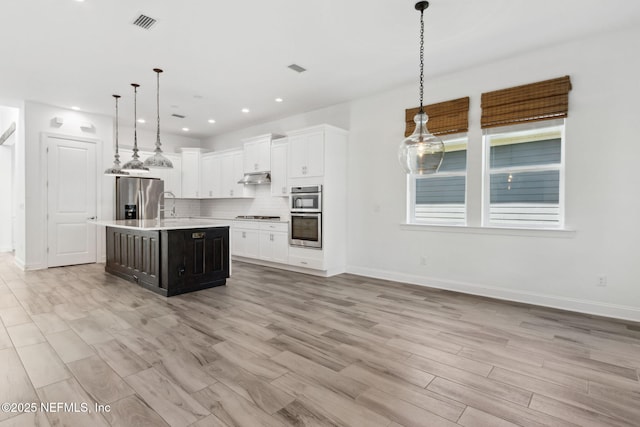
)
(321, 273)
(571, 304)
(33, 267)
(19, 262)
(6, 249)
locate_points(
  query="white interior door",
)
(71, 195)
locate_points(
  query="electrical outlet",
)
(423, 260)
(602, 281)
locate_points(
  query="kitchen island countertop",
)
(164, 224)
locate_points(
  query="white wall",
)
(8, 115)
(38, 121)
(147, 140)
(601, 187)
(18, 182)
(553, 269)
(337, 115)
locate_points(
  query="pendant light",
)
(116, 170)
(158, 160)
(135, 165)
(421, 152)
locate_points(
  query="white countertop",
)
(164, 224)
(260, 220)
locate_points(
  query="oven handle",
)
(294, 213)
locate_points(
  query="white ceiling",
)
(221, 56)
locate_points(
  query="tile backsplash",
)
(262, 204)
(186, 207)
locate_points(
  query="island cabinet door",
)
(194, 259)
(134, 255)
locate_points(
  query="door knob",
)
(92, 217)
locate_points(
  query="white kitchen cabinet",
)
(279, 173)
(274, 242)
(245, 239)
(268, 241)
(306, 154)
(257, 154)
(172, 177)
(231, 166)
(191, 173)
(211, 176)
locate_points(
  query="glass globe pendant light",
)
(158, 160)
(135, 165)
(116, 170)
(421, 152)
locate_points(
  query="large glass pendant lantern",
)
(158, 160)
(116, 170)
(421, 152)
(135, 165)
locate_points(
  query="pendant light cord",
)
(158, 71)
(421, 59)
(117, 154)
(135, 121)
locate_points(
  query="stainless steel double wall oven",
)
(305, 227)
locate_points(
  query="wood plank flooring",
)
(275, 348)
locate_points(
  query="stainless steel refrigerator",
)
(137, 198)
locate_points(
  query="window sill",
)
(504, 231)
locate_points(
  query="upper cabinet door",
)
(172, 177)
(190, 174)
(207, 176)
(306, 155)
(279, 181)
(257, 154)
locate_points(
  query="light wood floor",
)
(276, 348)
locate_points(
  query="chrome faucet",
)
(163, 209)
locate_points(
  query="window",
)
(519, 161)
(440, 198)
(524, 174)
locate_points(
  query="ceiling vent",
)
(180, 116)
(144, 21)
(297, 68)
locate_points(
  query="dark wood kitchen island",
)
(169, 257)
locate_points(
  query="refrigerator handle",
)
(142, 204)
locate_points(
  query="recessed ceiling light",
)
(185, 129)
(211, 121)
(245, 110)
(79, 1)
(279, 99)
(142, 121)
(75, 108)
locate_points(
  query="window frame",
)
(412, 185)
(487, 171)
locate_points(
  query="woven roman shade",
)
(544, 100)
(444, 117)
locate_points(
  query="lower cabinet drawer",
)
(316, 264)
(275, 226)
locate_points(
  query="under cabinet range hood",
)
(256, 178)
